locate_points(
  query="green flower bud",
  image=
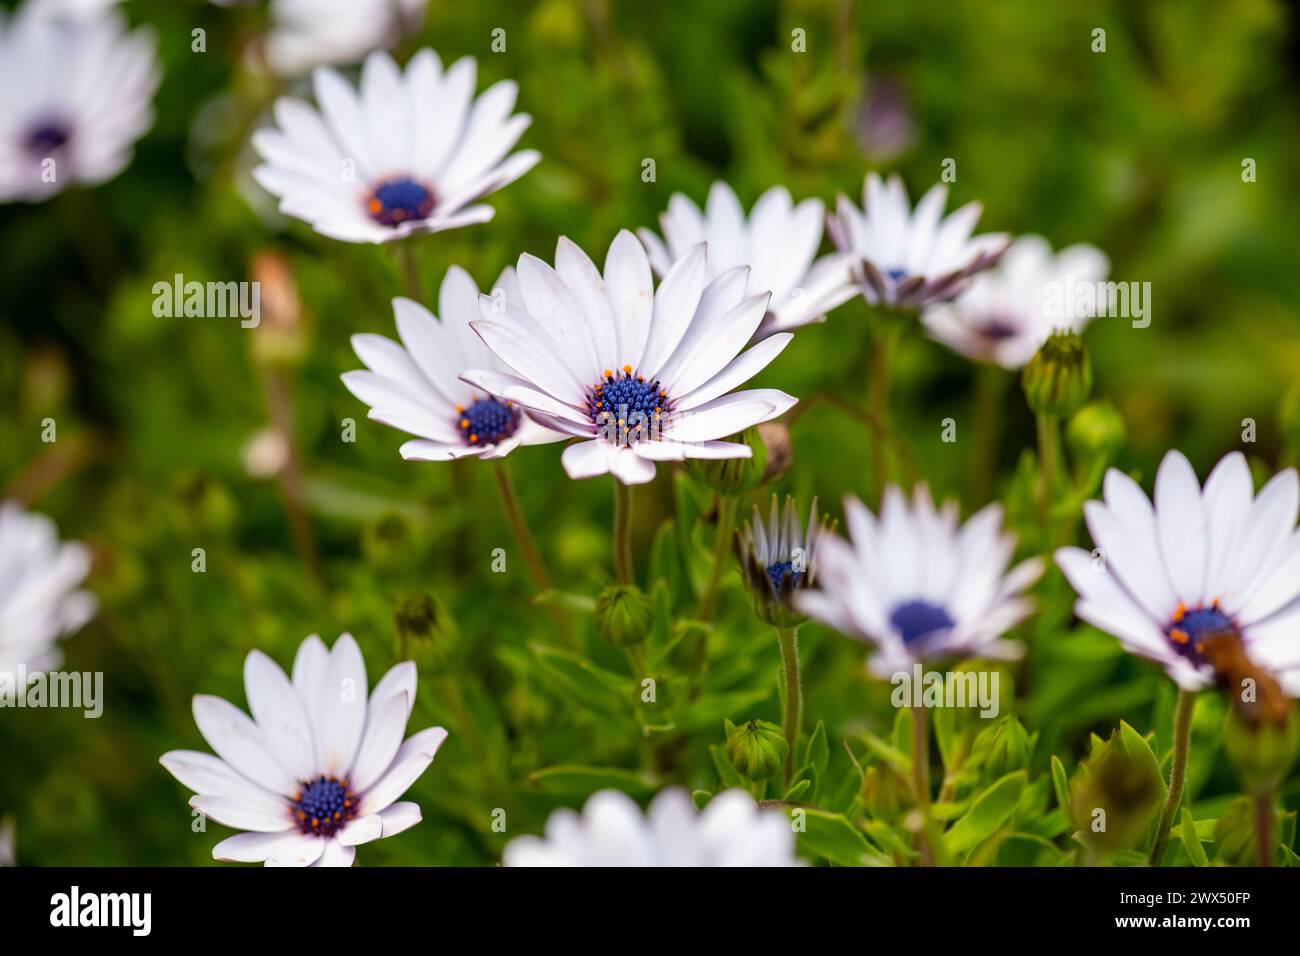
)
(1095, 434)
(1003, 748)
(624, 615)
(1058, 378)
(885, 794)
(734, 476)
(1234, 834)
(426, 631)
(1261, 751)
(757, 749)
(1116, 792)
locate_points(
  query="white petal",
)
(342, 702)
(1180, 521)
(413, 758)
(382, 737)
(280, 715)
(239, 742)
(236, 813)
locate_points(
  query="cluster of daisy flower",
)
(641, 360)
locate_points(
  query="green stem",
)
(727, 508)
(990, 390)
(410, 270)
(882, 359)
(1049, 456)
(623, 533)
(788, 638)
(1264, 829)
(519, 526)
(921, 779)
(1177, 773)
(524, 539)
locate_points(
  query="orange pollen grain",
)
(1179, 635)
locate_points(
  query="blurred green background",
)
(1137, 150)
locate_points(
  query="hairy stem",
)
(623, 533)
(789, 641)
(921, 779)
(1177, 773)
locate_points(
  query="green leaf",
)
(1025, 849)
(896, 758)
(728, 774)
(666, 561)
(989, 811)
(580, 781)
(833, 837)
(797, 790)
(583, 603)
(1191, 841)
(1061, 783)
(701, 798)
(591, 684)
(818, 751)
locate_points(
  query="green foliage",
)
(1137, 151)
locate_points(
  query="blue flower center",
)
(324, 806)
(1190, 627)
(917, 620)
(778, 570)
(399, 200)
(487, 421)
(628, 408)
(47, 139)
(896, 275)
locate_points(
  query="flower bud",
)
(778, 558)
(1116, 792)
(1058, 378)
(426, 631)
(624, 615)
(1003, 748)
(1095, 434)
(1261, 751)
(1234, 834)
(734, 476)
(757, 749)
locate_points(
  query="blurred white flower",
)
(918, 586)
(905, 258)
(318, 769)
(643, 375)
(1007, 312)
(76, 93)
(416, 386)
(778, 242)
(406, 154)
(309, 33)
(41, 599)
(612, 831)
(1218, 560)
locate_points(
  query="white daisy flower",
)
(918, 586)
(41, 599)
(778, 242)
(318, 768)
(416, 386)
(612, 831)
(76, 93)
(1008, 311)
(1202, 562)
(778, 559)
(406, 154)
(906, 259)
(643, 375)
(310, 33)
